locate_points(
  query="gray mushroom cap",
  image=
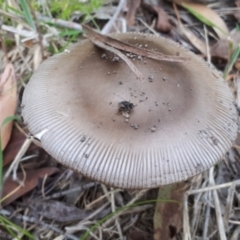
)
(183, 120)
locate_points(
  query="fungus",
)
(68, 108)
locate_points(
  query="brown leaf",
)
(29, 43)
(237, 64)
(112, 45)
(31, 181)
(131, 48)
(16, 141)
(132, 5)
(119, 54)
(8, 101)
(196, 42)
(222, 48)
(162, 23)
(168, 215)
(211, 15)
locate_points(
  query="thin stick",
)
(106, 29)
(36, 221)
(91, 204)
(113, 210)
(229, 203)
(207, 45)
(122, 56)
(186, 224)
(138, 196)
(130, 48)
(18, 157)
(221, 228)
(40, 38)
(216, 187)
(63, 193)
(207, 218)
(235, 234)
(60, 22)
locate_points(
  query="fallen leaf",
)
(31, 181)
(8, 101)
(114, 45)
(222, 48)
(63, 212)
(59, 211)
(237, 64)
(121, 55)
(230, 77)
(132, 9)
(162, 23)
(92, 35)
(210, 15)
(16, 141)
(196, 42)
(168, 215)
(29, 43)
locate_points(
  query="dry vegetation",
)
(43, 200)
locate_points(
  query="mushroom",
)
(180, 123)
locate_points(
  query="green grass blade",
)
(9, 230)
(9, 119)
(202, 18)
(19, 13)
(69, 33)
(232, 61)
(6, 222)
(85, 236)
(27, 14)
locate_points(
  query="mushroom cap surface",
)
(183, 120)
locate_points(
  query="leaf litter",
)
(201, 203)
(8, 101)
(63, 212)
(16, 141)
(162, 22)
(114, 45)
(223, 48)
(12, 190)
(207, 16)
